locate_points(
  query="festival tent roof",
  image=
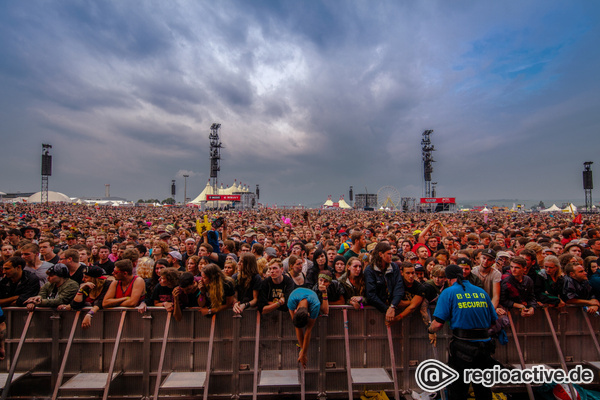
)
(485, 209)
(52, 197)
(570, 208)
(554, 208)
(328, 203)
(343, 203)
(208, 189)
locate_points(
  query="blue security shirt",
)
(471, 308)
(303, 293)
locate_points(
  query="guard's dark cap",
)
(453, 271)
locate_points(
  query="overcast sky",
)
(312, 96)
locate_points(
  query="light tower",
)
(215, 154)
(46, 171)
(588, 185)
(428, 160)
(185, 189)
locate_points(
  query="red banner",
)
(444, 200)
(223, 197)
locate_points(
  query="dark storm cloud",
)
(312, 97)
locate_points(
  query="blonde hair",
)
(145, 267)
(261, 264)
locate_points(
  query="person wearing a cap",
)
(419, 272)
(190, 250)
(411, 257)
(270, 253)
(71, 240)
(470, 312)
(467, 266)
(502, 261)
(30, 233)
(59, 289)
(174, 260)
(574, 248)
(91, 293)
(490, 277)
(345, 243)
(249, 237)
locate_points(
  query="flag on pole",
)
(577, 219)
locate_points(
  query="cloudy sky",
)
(312, 96)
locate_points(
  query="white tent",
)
(52, 197)
(486, 210)
(328, 203)
(208, 189)
(554, 208)
(571, 208)
(343, 203)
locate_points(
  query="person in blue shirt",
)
(304, 307)
(470, 312)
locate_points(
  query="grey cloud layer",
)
(312, 97)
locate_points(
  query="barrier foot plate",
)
(184, 380)
(280, 377)
(88, 381)
(370, 375)
(16, 376)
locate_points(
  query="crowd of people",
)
(75, 256)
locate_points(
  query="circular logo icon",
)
(433, 375)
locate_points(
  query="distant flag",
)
(578, 219)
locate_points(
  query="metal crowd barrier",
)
(128, 355)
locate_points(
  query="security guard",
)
(470, 312)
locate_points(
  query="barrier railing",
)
(126, 354)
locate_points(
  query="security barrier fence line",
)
(349, 350)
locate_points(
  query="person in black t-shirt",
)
(103, 260)
(162, 295)
(185, 295)
(413, 291)
(275, 290)
(217, 290)
(247, 283)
